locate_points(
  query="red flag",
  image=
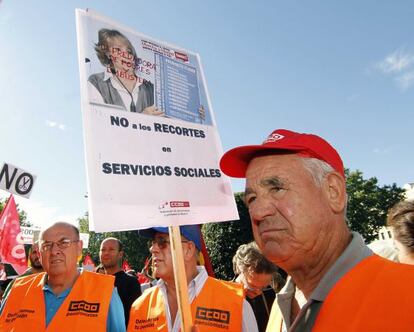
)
(11, 240)
(88, 263)
(142, 278)
(125, 266)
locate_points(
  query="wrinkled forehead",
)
(57, 232)
(263, 165)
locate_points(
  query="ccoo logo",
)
(273, 138)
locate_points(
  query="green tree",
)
(135, 247)
(222, 240)
(368, 203)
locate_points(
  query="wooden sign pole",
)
(180, 278)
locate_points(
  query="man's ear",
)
(79, 246)
(189, 250)
(335, 189)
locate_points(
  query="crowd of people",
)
(305, 271)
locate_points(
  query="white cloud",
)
(396, 62)
(50, 123)
(405, 81)
(399, 65)
(53, 124)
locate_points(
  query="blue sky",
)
(342, 70)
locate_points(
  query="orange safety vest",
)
(84, 309)
(376, 295)
(217, 308)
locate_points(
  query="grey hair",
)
(249, 258)
(318, 169)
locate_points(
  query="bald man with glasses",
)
(62, 298)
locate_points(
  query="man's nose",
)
(154, 248)
(262, 208)
(55, 248)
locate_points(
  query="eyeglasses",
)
(161, 242)
(62, 244)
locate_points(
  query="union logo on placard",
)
(179, 204)
(181, 56)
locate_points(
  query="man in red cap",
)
(296, 196)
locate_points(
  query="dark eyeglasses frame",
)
(62, 244)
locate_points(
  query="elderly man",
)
(111, 254)
(215, 305)
(62, 298)
(296, 196)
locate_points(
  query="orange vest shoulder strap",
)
(373, 296)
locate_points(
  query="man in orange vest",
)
(215, 305)
(62, 298)
(296, 196)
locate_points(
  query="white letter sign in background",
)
(151, 143)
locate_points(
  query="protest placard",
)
(16, 181)
(30, 234)
(151, 143)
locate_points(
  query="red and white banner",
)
(11, 240)
(88, 263)
(126, 266)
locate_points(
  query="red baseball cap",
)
(235, 161)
